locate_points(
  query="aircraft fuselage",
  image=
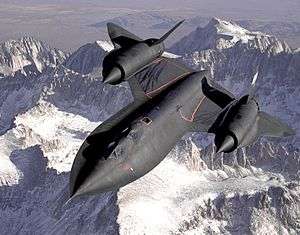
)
(147, 139)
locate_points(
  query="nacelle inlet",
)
(236, 126)
(121, 64)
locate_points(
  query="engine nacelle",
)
(236, 126)
(121, 64)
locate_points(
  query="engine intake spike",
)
(225, 145)
(113, 77)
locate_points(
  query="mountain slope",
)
(27, 56)
(234, 54)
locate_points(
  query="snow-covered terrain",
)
(234, 55)
(46, 114)
(27, 56)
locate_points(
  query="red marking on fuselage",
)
(126, 166)
(191, 119)
(150, 93)
(166, 84)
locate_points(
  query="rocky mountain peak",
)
(223, 25)
(87, 59)
(27, 55)
(220, 34)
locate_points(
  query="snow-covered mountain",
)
(46, 116)
(234, 54)
(87, 59)
(27, 56)
(220, 34)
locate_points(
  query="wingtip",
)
(109, 24)
(166, 35)
(179, 23)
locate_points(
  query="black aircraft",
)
(170, 100)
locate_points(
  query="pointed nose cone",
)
(88, 188)
(113, 77)
(92, 184)
(94, 177)
(75, 192)
(226, 145)
(79, 192)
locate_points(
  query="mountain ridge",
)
(29, 54)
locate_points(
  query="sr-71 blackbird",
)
(170, 100)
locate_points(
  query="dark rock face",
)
(86, 60)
